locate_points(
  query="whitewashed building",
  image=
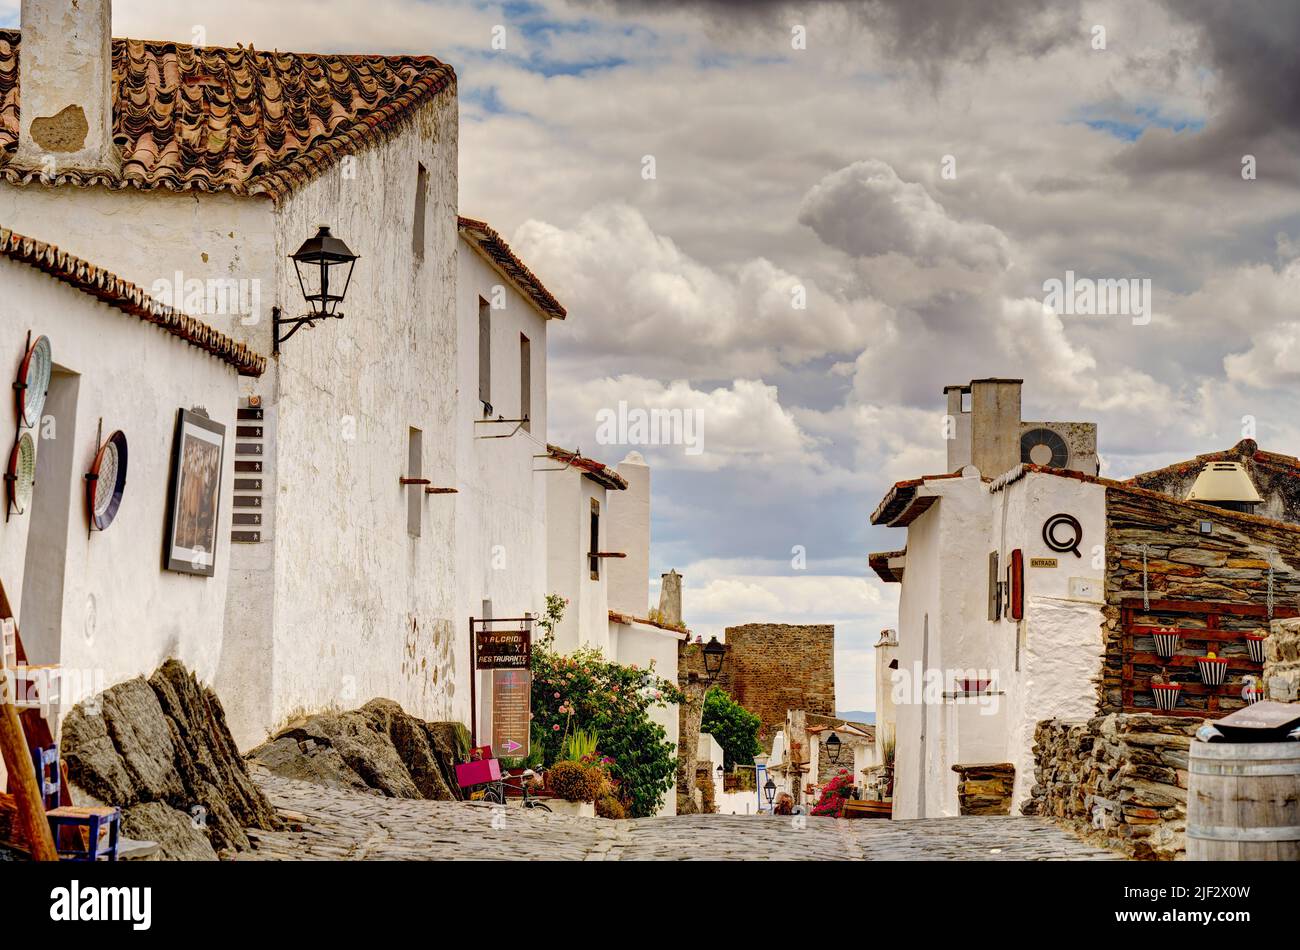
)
(154, 161)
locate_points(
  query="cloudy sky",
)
(782, 172)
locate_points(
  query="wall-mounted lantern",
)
(324, 267)
(833, 748)
(769, 789)
(713, 654)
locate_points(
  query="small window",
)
(414, 493)
(525, 380)
(421, 202)
(485, 355)
(594, 553)
(965, 400)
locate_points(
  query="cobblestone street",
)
(343, 825)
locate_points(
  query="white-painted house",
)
(975, 672)
(598, 525)
(503, 311)
(195, 173)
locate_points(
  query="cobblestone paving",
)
(342, 825)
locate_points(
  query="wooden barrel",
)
(1243, 801)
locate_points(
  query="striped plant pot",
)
(1255, 644)
(1252, 695)
(1166, 695)
(1166, 642)
(1213, 671)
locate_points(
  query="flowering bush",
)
(733, 726)
(834, 794)
(587, 691)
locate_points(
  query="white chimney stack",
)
(65, 87)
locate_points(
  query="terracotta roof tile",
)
(129, 298)
(250, 122)
(491, 244)
(599, 472)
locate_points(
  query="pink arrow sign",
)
(512, 745)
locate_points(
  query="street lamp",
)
(769, 789)
(833, 748)
(324, 267)
(713, 654)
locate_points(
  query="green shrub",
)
(578, 746)
(733, 726)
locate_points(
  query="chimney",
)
(670, 598)
(985, 425)
(65, 87)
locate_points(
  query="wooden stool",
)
(93, 818)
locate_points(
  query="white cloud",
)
(866, 210)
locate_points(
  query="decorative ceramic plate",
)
(21, 474)
(106, 481)
(34, 382)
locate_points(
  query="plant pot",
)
(1166, 695)
(1213, 670)
(1252, 696)
(1255, 645)
(578, 809)
(1166, 642)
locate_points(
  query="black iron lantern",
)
(769, 789)
(713, 654)
(720, 770)
(833, 748)
(324, 267)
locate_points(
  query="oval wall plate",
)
(106, 481)
(21, 474)
(34, 382)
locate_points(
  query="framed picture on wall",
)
(194, 495)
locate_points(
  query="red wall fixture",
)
(1016, 583)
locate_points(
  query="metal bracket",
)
(519, 424)
(296, 323)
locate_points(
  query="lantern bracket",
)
(294, 323)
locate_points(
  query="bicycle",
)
(496, 791)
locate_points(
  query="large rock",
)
(377, 748)
(179, 836)
(163, 744)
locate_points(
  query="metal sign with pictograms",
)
(502, 649)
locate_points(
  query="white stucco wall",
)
(629, 533)
(501, 504)
(122, 614)
(568, 512)
(1043, 666)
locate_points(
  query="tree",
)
(733, 726)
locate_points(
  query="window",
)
(414, 493)
(485, 355)
(594, 553)
(421, 200)
(525, 380)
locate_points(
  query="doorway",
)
(41, 610)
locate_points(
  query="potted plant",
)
(578, 777)
(1165, 691)
(1255, 646)
(1213, 668)
(1252, 691)
(1166, 641)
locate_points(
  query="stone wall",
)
(1230, 565)
(1282, 661)
(1120, 780)
(771, 668)
(985, 789)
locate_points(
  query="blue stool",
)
(93, 818)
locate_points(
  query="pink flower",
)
(555, 728)
(557, 695)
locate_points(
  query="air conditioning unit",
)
(1044, 446)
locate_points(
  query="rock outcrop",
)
(160, 749)
(378, 748)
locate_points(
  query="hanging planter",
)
(1252, 693)
(1213, 669)
(1255, 644)
(1166, 641)
(1166, 695)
